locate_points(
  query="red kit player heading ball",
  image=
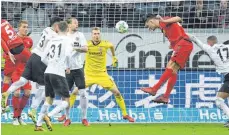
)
(182, 48)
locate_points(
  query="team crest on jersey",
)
(100, 49)
(77, 38)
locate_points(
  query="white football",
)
(121, 27)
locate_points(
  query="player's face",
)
(23, 29)
(151, 25)
(96, 35)
(74, 24)
(212, 42)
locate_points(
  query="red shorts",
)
(181, 52)
(17, 74)
(9, 67)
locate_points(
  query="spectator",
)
(175, 8)
(199, 16)
(42, 15)
(59, 11)
(222, 15)
(30, 15)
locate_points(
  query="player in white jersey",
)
(34, 69)
(75, 74)
(219, 53)
(57, 56)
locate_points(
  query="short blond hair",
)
(22, 22)
(95, 28)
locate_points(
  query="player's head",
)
(72, 24)
(226, 42)
(199, 4)
(23, 28)
(152, 22)
(96, 34)
(62, 27)
(223, 4)
(212, 40)
(54, 21)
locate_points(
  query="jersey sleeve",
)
(4, 46)
(44, 57)
(109, 44)
(203, 46)
(68, 52)
(83, 40)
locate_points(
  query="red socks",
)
(171, 82)
(165, 76)
(19, 105)
(15, 103)
(22, 104)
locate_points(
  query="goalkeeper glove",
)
(114, 61)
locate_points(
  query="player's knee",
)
(7, 79)
(75, 91)
(17, 93)
(116, 93)
(27, 93)
(219, 101)
(49, 100)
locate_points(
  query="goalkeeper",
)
(95, 68)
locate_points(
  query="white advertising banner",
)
(144, 49)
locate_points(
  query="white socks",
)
(222, 105)
(63, 105)
(44, 110)
(83, 103)
(21, 82)
(38, 98)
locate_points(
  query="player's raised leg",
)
(182, 48)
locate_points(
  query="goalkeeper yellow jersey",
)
(96, 58)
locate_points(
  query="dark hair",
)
(149, 17)
(63, 26)
(226, 42)
(55, 19)
(212, 37)
(69, 20)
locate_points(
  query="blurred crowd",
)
(195, 14)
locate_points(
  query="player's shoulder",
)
(49, 31)
(105, 42)
(80, 33)
(89, 42)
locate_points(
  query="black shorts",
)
(56, 85)
(17, 50)
(225, 86)
(34, 69)
(76, 76)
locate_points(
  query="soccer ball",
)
(121, 27)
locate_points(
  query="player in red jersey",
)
(17, 102)
(182, 48)
(11, 43)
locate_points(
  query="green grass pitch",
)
(121, 129)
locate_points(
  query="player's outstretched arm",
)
(6, 50)
(114, 58)
(170, 20)
(198, 42)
